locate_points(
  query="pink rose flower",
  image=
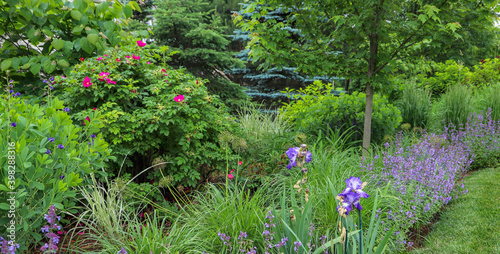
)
(99, 59)
(179, 98)
(103, 75)
(140, 43)
(87, 82)
(230, 176)
(86, 118)
(136, 57)
(118, 60)
(148, 62)
(127, 56)
(240, 162)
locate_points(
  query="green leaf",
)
(58, 44)
(63, 63)
(93, 38)
(5, 65)
(4, 188)
(35, 68)
(76, 15)
(134, 5)
(127, 11)
(80, 5)
(26, 13)
(116, 10)
(12, 3)
(49, 66)
(77, 44)
(15, 62)
(77, 29)
(38, 185)
(109, 25)
(4, 206)
(68, 46)
(86, 45)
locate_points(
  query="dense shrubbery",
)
(319, 112)
(151, 110)
(47, 157)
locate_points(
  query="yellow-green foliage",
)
(445, 75)
(486, 73)
(320, 110)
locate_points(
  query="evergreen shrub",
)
(152, 111)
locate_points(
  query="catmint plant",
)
(52, 219)
(7, 247)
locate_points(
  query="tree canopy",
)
(357, 39)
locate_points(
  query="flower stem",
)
(360, 233)
(227, 170)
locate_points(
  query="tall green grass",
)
(455, 106)
(415, 105)
(262, 125)
(489, 97)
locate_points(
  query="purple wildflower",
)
(297, 245)
(66, 109)
(48, 151)
(242, 235)
(60, 146)
(122, 251)
(51, 139)
(354, 185)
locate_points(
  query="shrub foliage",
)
(151, 111)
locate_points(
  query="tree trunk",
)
(367, 130)
(372, 64)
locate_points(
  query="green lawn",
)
(470, 224)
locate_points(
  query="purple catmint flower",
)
(61, 177)
(52, 218)
(93, 136)
(51, 139)
(122, 251)
(297, 244)
(60, 146)
(51, 88)
(242, 235)
(7, 247)
(51, 79)
(13, 124)
(48, 151)
(16, 94)
(11, 91)
(66, 109)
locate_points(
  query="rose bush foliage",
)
(151, 111)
